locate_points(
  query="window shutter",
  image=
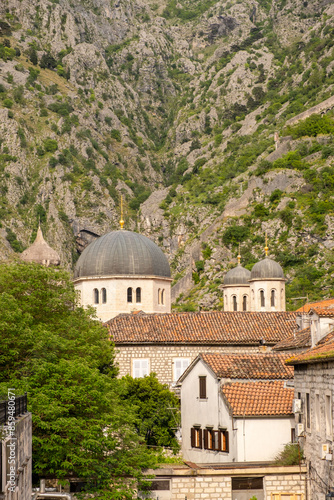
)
(205, 439)
(202, 387)
(192, 437)
(219, 447)
(227, 448)
(136, 368)
(200, 438)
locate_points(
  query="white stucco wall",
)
(267, 285)
(208, 412)
(261, 439)
(116, 287)
(239, 291)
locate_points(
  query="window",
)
(159, 296)
(308, 411)
(180, 365)
(140, 368)
(163, 296)
(328, 415)
(262, 301)
(235, 305)
(202, 387)
(244, 303)
(138, 295)
(317, 412)
(196, 437)
(129, 294)
(272, 298)
(96, 296)
(215, 440)
(104, 295)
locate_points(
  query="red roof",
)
(258, 399)
(249, 366)
(298, 340)
(322, 304)
(213, 327)
(323, 351)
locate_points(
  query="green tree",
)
(52, 349)
(157, 410)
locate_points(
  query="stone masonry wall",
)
(161, 357)
(279, 483)
(317, 380)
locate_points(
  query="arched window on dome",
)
(273, 298)
(162, 296)
(129, 294)
(138, 294)
(262, 300)
(244, 302)
(234, 303)
(104, 296)
(96, 296)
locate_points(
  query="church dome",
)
(267, 269)
(237, 276)
(122, 253)
(40, 252)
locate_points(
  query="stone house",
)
(191, 481)
(166, 344)
(236, 407)
(314, 391)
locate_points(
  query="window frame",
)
(175, 370)
(129, 295)
(103, 295)
(328, 415)
(216, 440)
(143, 370)
(196, 437)
(96, 296)
(202, 394)
(138, 295)
(307, 410)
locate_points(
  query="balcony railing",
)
(19, 409)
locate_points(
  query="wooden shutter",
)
(202, 387)
(227, 447)
(200, 432)
(192, 437)
(205, 439)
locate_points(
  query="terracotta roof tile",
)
(298, 340)
(214, 327)
(269, 398)
(323, 311)
(323, 351)
(322, 304)
(249, 366)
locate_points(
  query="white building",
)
(262, 289)
(123, 272)
(236, 408)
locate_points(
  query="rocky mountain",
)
(212, 118)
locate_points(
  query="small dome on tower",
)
(40, 252)
(237, 276)
(267, 269)
(122, 253)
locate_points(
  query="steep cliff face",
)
(178, 104)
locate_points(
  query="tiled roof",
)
(214, 327)
(323, 351)
(249, 366)
(322, 304)
(323, 311)
(298, 340)
(258, 399)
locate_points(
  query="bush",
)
(290, 455)
(115, 134)
(50, 145)
(311, 127)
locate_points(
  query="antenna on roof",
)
(121, 222)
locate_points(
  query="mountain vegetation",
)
(190, 110)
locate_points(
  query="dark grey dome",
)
(267, 269)
(237, 276)
(122, 253)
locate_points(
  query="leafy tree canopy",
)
(157, 410)
(54, 350)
